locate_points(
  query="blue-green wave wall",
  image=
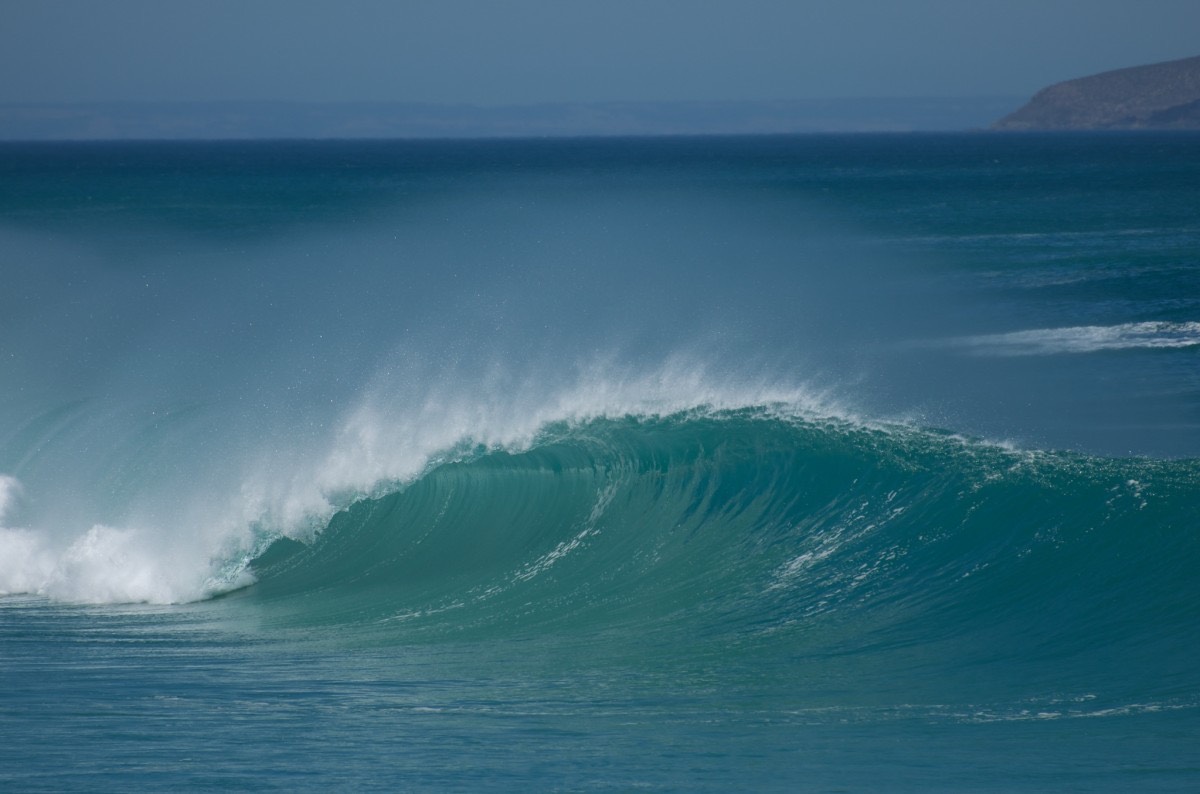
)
(824, 546)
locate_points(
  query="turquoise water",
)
(818, 463)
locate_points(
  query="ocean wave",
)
(765, 523)
(201, 533)
(757, 532)
(1085, 339)
(752, 526)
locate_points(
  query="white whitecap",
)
(1084, 339)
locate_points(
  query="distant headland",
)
(1159, 96)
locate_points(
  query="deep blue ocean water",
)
(827, 463)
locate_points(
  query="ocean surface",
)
(825, 463)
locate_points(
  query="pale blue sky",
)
(526, 51)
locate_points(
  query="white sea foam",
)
(107, 564)
(24, 564)
(1085, 339)
(101, 565)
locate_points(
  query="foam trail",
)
(1085, 339)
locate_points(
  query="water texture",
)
(798, 463)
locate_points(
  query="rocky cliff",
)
(1156, 96)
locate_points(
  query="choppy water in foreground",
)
(820, 463)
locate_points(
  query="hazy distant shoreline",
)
(259, 120)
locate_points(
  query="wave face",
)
(755, 534)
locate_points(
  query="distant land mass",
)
(264, 120)
(1159, 96)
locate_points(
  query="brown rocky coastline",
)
(1163, 96)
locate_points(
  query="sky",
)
(503, 52)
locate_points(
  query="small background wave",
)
(1085, 339)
